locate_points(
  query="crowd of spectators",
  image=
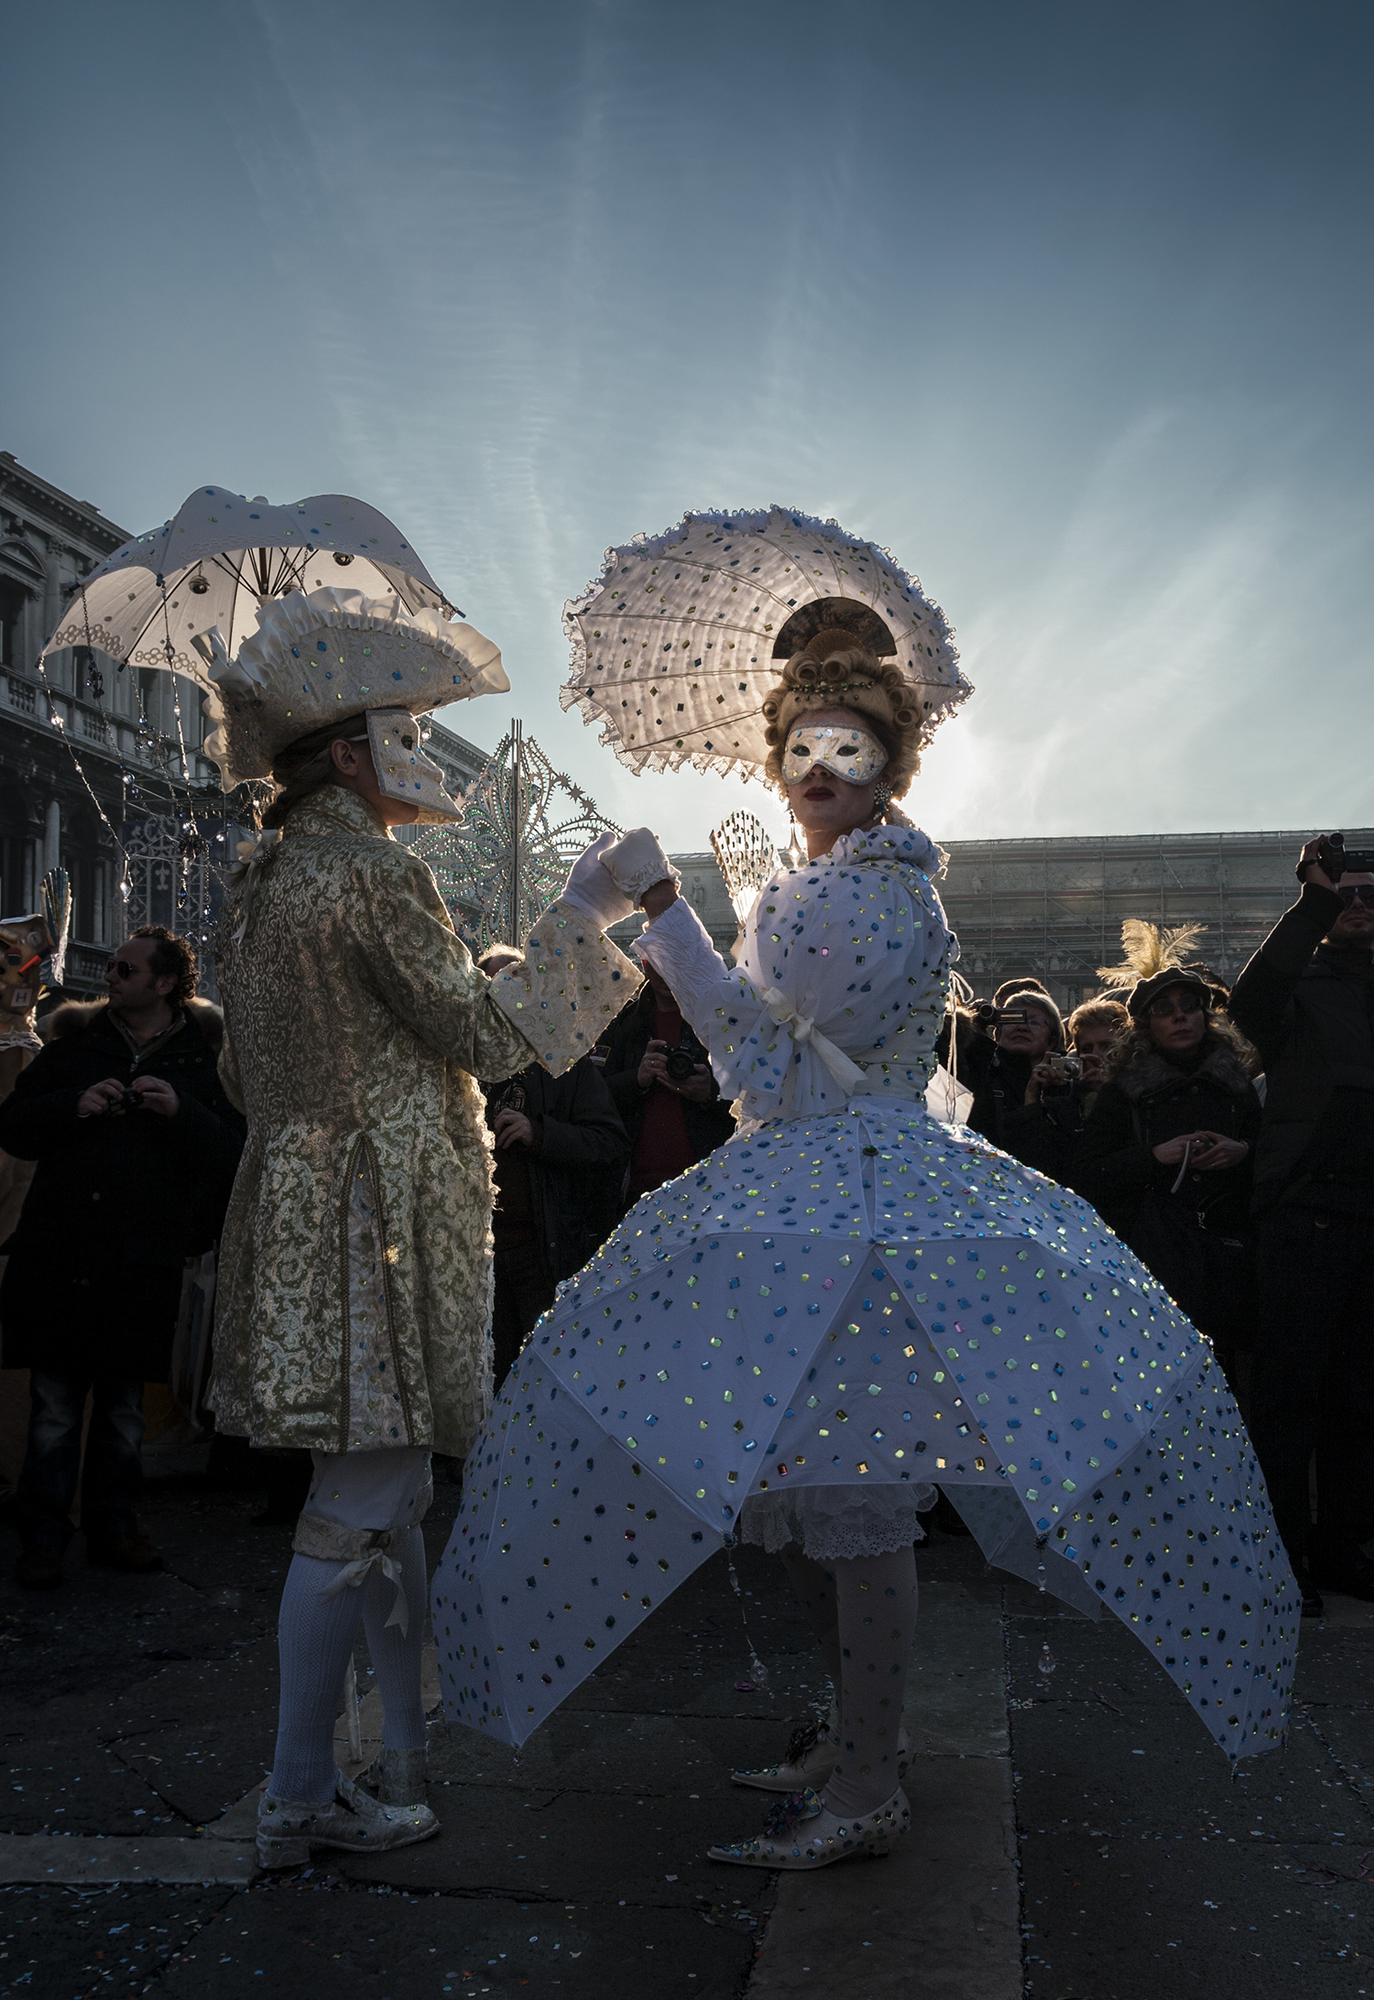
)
(1227, 1138)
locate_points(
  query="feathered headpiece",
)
(1152, 959)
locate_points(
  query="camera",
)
(1335, 859)
(1065, 1068)
(128, 1100)
(989, 1017)
(681, 1062)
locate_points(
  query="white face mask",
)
(404, 768)
(849, 752)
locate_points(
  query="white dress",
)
(858, 944)
(845, 1303)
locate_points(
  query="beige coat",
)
(355, 1273)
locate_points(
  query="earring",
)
(882, 797)
(794, 846)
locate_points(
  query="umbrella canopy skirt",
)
(954, 1318)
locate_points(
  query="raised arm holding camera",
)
(1306, 1000)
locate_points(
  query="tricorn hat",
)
(329, 654)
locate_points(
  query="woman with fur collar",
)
(1168, 1153)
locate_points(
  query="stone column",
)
(52, 836)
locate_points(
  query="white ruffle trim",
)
(280, 624)
(832, 1523)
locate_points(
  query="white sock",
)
(396, 1660)
(315, 1639)
(876, 1603)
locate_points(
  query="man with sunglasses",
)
(136, 1146)
(1306, 1000)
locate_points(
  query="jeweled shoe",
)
(351, 1820)
(396, 1777)
(802, 1832)
(811, 1757)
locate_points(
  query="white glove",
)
(636, 862)
(591, 890)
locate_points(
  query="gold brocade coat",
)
(354, 1291)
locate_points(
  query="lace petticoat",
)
(833, 1523)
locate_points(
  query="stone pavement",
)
(1076, 1835)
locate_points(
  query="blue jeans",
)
(113, 1472)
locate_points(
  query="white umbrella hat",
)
(676, 643)
(221, 559)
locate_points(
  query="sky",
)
(1068, 305)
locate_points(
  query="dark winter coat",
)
(1154, 1099)
(576, 1161)
(1309, 1009)
(998, 1079)
(115, 1191)
(623, 1044)
(1193, 1238)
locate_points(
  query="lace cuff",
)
(570, 988)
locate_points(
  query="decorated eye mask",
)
(848, 752)
(405, 770)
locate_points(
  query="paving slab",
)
(938, 1918)
(58, 1858)
(74, 1786)
(60, 1942)
(293, 1937)
(1150, 1868)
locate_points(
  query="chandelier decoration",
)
(523, 826)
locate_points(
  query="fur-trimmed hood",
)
(1152, 1075)
(73, 1017)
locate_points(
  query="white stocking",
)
(315, 1639)
(396, 1659)
(876, 1603)
(813, 1584)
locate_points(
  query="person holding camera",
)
(1167, 1155)
(661, 1083)
(136, 1146)
(1306, 1000)
(1006, 1051)
(1047, 1130)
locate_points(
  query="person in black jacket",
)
(1306, 1000)
(1167, 1155)
(136, 1146)
(672, 1122)
(561, 1152)
(997, 1058)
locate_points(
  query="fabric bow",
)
(353, 1575)
(804, 1032)
(251, 854)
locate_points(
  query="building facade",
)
(1054, 908)
(94, 757)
